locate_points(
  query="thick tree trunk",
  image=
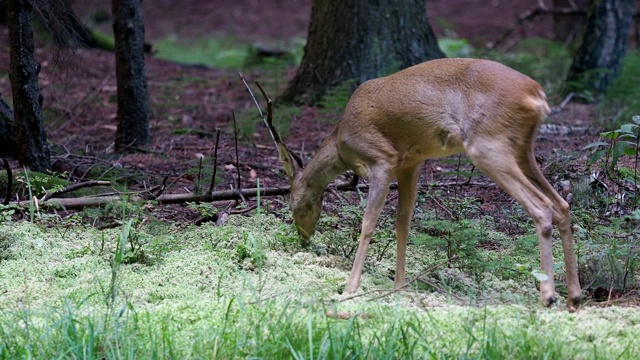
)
(7, 131)
(133, 103)
(31, 138)
(599, 59)
(360, 40)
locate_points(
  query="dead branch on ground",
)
(98, 200)
(74, 187)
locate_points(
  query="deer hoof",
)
(548, 300)
(573, 303)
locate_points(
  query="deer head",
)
(435, 109)
(305, 199)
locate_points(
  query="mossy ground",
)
(236, 291)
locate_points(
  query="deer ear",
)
(291, 163)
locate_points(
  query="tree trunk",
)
(7, 131)
(360, 40)
(133, 103)
(3, 11)
(599, 59)
(31, 138)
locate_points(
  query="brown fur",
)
(432, 110)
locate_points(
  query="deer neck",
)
(322, 169)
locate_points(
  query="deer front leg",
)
(378, 190)
(407, 192)
(544, 230)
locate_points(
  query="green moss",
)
(200, 300)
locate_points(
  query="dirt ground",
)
(79, 91)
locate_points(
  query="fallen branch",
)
(74, 187)
(147, 195)
(97, 200)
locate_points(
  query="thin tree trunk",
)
(599, 59)
(360, 40)
(3, 11)
(7, 131)
(133, 104)
(31, 138)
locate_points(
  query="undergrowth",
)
(201, 301)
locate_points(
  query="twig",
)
(389, 292)
(268, 120)
(235, 136)
(199, 176)
(74, 187)
(566, 100)
(161, 187)
(215, 162)
(274, 134)
(439, 288)
(242, 211)
(530, 15)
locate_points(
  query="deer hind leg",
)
(561, 218)
(501, 164)
(379, 180)
(407, 192)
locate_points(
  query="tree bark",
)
(360, 40)
(33, 151)
(133, 103)
(599, 58)
(3, 11)
(7, 131)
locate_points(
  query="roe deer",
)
(432, 110)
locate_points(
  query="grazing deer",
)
(432, 110)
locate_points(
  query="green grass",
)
(224, 53)
(246, 290)
(208, 51)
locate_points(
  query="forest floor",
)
(189, 102)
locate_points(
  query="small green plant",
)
(623, 142)
(334, 101)
(610, 256)
(6, 214)
(116, 263)
(342, 232)
(250, 253)
(204, 209)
